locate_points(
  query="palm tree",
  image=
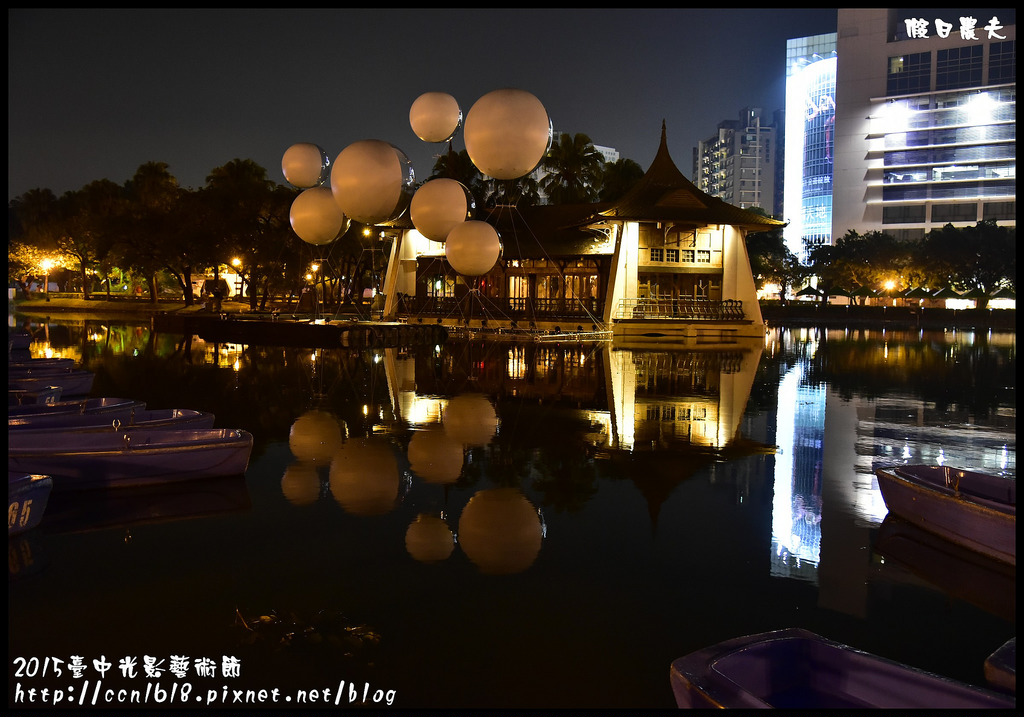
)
(574, 170)
(618, 177)
(458, 166)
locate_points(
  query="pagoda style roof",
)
(664, 194)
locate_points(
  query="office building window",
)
(903, 215)
(944, 213)
(1002, 62)
(958, 67)
(999, 211)
(909, 74)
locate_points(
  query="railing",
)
(502, 308)
(681, 308)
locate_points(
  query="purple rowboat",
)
(43, 394)
(27, 495)
(112, 407)
(97, 422)
(75, 382)
(797, 669)
(80, 461)
(1001, 667)
(975, 510)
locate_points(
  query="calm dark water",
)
(494, 525)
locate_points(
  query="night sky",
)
(93, 94)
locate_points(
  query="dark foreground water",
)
(484, 525)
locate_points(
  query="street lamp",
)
(47, 265)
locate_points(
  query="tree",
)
(618, 178)
(146, 228)
(771, 261)
(574, 169)
(980, 257)
(458, 166)
(88, 221)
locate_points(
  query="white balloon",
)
(435, 117)
(316, 218)
(472, 248)
(439, 206)
(507, 133)
(372, 181)
(305, 165)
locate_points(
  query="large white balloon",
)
(316, 217)
(435, 117)
(472, 248)
(305, 165)
(507, 133)
(372, 181)
(439, 206)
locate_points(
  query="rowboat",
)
(798, 669)
(145, 456)
(1001, 667)
(42, 394)
(18, 340)
(972, 509)
(74, 382)
(97, 422)
(40, 363)
(113, 407)
(27, 495)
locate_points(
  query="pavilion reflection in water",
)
(677, 410)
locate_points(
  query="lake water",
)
(510, 525)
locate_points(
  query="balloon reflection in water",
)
(316, 436)
(500, 531)
(429, 539)
(470, 419)
(364, 476)
(435, 456)
(301, 483)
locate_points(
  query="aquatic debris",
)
(290, 629)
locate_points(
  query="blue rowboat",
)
(797, 669)
(33, 364)
(27, 495)
(43, 394)
(97, 422)
(144, 456)
(975, 510)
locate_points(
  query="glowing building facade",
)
(810, 141)
(925, 129)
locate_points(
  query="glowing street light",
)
(47, 264)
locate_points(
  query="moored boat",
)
(40, 363)
(798, 669)
(27, 495)
(111, 406)
(41, 394)
(80, 461)
(95, 422)
(1001, 667)
(973, 509)
(75, 382)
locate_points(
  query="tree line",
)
(150, 230)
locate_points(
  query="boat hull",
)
(976, 511)
(41, 414)
(72, 383)
(797, 669)
(99, 422)
(27, 496)
(84, 461)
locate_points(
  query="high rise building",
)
(737, 163)
(925, 129)
(810, 141)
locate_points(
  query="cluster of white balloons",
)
(507, 133)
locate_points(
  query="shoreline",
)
(794, 314)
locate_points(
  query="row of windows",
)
(948, 213)
(953, 173)
(955, 68)
(967, 190)
(687, 256)
(978, 153)
(959, 135)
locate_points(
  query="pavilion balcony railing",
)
(502, 308)
(682, 308)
